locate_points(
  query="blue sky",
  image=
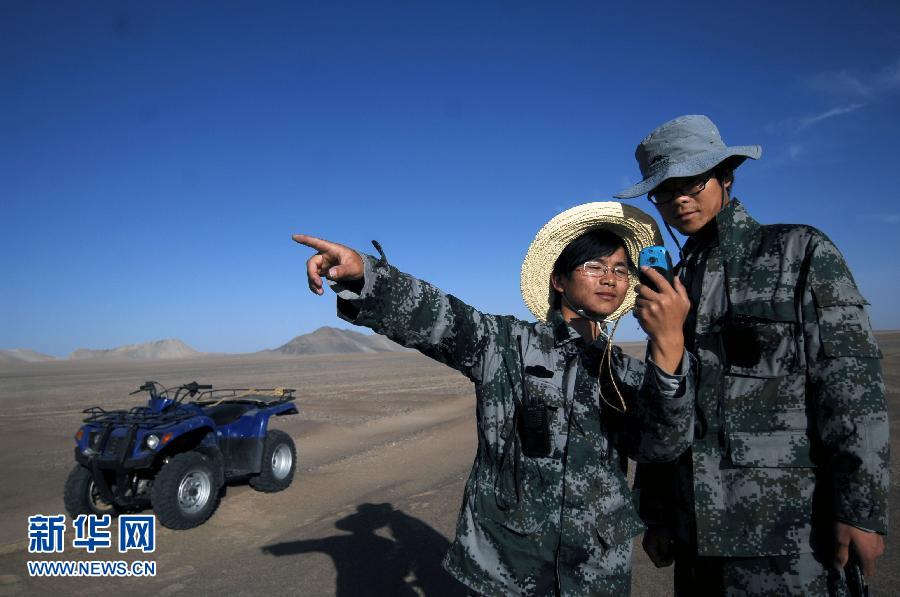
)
(156, 157)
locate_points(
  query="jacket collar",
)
(562, 332)
(738, 236)
(733, 229)
(565, 335)
(736, 229)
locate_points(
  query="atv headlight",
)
(151, 441)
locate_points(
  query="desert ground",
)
(385, 442)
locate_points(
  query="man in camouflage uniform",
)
(787, 477)
(558, 522)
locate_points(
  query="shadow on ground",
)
(371, 564)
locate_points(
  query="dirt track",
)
(385, 443)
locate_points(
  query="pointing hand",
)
(332, 261)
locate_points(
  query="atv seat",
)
(227, 412)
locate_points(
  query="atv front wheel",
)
(81, 495)
(184, 493)
(278, 464)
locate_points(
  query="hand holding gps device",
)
(658, 258)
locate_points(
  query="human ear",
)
(557, 283)
(727, 180)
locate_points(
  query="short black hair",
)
(724, 171)
(592, 244)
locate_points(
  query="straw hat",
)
(634, 226)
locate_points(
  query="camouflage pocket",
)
(521, 510)
(618, 527)
(778, 414)
(844, 326)
(543, 391)
(846, 332)
(759, 348)
(770, 449)
(550, 397)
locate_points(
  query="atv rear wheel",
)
(278, 464)
(185, 493)
(81, 495)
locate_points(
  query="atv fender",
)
(211, 450)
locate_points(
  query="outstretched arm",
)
(409, 311)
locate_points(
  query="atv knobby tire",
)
(81, 495)
(185, 492)
(279, 462)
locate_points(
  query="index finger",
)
(312, 242)
(679, 288)
(661, 282)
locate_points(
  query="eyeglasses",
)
(595, 269)
(690, 187)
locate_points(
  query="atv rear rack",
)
(267, 396)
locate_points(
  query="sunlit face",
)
(598, 295)
(688, 213)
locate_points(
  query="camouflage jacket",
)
(791, 426)
(534, 525)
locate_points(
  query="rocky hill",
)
(328, 340)
(22, 355)
(161, 349)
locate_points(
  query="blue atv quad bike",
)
(175, 455)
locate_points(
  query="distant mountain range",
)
(161, 349)
(325, 340)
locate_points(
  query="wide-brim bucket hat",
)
(686, 146)
(636, 228)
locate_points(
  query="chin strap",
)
(607, 356)
(675, 239)
(600, 329)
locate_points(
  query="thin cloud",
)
(882, 218)
(842, 84)
(849, 85)
(808, 121)
(796, 150)
(802, 123)
(849, 90)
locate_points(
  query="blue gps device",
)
(658, 258)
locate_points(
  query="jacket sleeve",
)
(417, 315)
(847, 391)
(657, 425)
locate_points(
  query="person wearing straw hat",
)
(547, 509)
(787, 478)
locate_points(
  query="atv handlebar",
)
(150, 386)
(188, 388)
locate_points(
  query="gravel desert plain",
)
(385, 441)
